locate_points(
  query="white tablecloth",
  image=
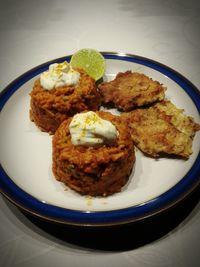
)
(33, 32)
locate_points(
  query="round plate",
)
(26, 176)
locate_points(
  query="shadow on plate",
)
(125, 237)
(118, 238)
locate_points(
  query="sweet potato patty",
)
(130, 90)
(95, 171)
(50, 107)
(162, 129)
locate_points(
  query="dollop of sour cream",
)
(89, 129)
(59, 74)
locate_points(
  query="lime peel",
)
(91, 61)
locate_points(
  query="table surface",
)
(33, 32)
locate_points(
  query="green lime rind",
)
(91, 61)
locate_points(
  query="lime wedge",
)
(91, 61)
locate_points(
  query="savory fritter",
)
(162, 129)
(130, 90)
(183, 123)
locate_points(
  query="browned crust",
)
(162, 129)
(130, 90)
(95, 171)
(50, 107)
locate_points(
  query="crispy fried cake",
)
(130, 90)
(162, 129)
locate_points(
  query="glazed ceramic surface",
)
(26, 156)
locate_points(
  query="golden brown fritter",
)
(183, 123)
(130, 90)
(162, 129)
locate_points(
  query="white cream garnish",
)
(59, 74)
(89, 129)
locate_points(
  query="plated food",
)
(93, 151)
(162, 129)
(153, 186)
(60, 93)
(130, 90)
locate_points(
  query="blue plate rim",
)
(103, 218)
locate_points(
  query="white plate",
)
(26, 174)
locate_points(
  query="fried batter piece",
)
(130, 90)
(162, 129)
